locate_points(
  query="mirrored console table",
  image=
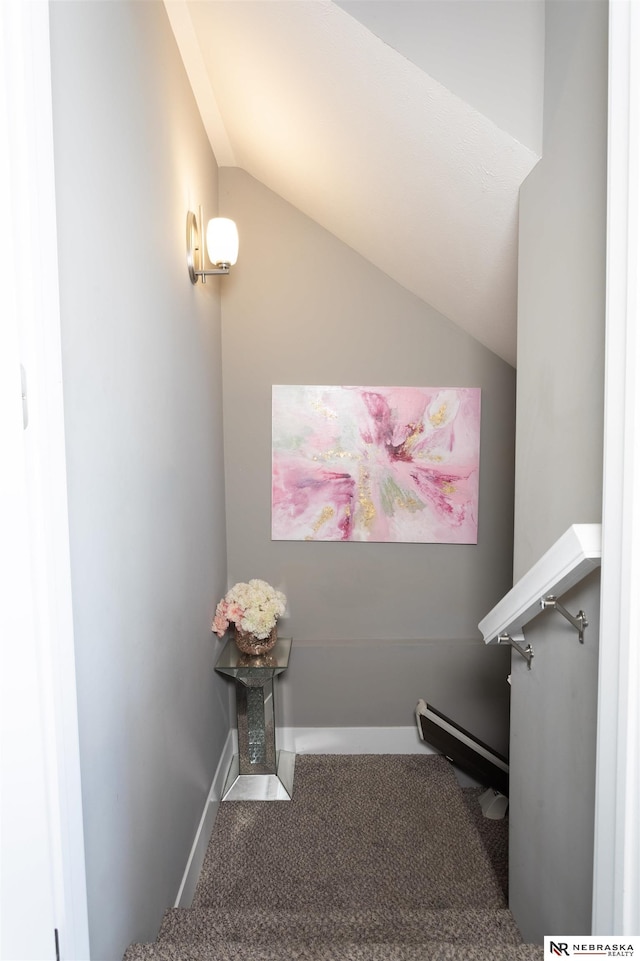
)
(258, 772)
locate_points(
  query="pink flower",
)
(220, 621)
(235, 613)
(256, 606)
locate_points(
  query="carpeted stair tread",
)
(376, 858)
(391, 830)
(305, 951)
(483, 926)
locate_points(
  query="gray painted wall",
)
(561, 290)
(552, 772)
(559, 473)
(378, 683)
(142, 386)
(301, 307)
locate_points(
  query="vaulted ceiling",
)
(404, 127)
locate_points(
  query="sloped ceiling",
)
(359, 137)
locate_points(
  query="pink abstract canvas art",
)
(379, 464)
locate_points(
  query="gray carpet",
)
(494, 835)
(303, 951)
(376, 858)
(484, 926)
(361, 830)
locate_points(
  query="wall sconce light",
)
(222, 246)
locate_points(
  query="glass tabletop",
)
(236, 664)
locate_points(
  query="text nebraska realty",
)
(609, 950)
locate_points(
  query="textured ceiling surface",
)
(311, 103)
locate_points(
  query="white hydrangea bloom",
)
(257, 606)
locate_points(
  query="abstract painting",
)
(375, 464)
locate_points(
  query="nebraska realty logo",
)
(561, 946)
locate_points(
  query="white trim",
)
(201, 840)
(350, 740)
(616, 881)
(565, 564)
(32, 219)
(360, 740)
(27, 863)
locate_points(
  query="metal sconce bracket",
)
(526, 652)
(579, 621)
(195, 251)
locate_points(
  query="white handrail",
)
(568, 561)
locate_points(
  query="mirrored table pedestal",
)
(258, 772)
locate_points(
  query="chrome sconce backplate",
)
(195, 251)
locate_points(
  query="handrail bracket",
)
(526, 652)
(579, 621)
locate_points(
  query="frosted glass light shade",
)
(222, 241)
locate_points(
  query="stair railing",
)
(565, 564)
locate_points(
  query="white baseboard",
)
(350, 740)
(199, 846)
(301, 740)
(360, 740)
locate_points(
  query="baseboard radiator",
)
(463, 749)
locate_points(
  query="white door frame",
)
(616, 882)
(40, 646)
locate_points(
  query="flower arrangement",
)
(254, 608)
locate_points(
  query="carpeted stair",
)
(376, 858)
